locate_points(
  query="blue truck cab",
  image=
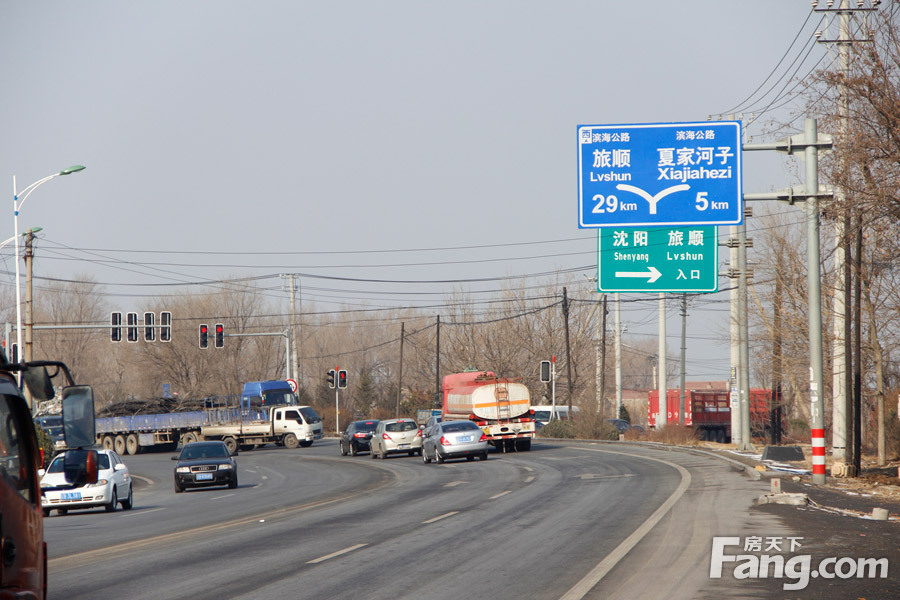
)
(265, 394)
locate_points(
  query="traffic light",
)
(545, 370)
(115, 331)
(331, 378)
(165, 326)
(204, 335)
(342, 379)
(220, 335)
(131, 331)
(149, 329)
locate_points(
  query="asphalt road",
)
(562, 521)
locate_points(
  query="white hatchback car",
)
(113, 486)
(395, 436)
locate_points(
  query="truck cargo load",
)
(502, 408)
(709, 411)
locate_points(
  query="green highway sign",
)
(658, 259)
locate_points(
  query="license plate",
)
(464, 438)
(71, 495)
(204, 476)
(403, 446)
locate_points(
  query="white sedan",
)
(113, 486)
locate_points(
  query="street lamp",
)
(17, 206)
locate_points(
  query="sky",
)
(408, 146)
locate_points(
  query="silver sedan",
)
(454, 439)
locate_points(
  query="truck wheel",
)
(189, 438)
(131, 444)
(231, 444)
(108, 442)
(720, 436)
(119, 445)
(291, 441)
(523, 445)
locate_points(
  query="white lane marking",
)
(220, 497)
(528, 468)
(142, 512)
(438, 518)
(454, 483)
(588, 476)
(529, 479)
(495, 496)
(146, 480)
(333, 554)
(581, 589)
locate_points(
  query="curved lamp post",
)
(17, 206)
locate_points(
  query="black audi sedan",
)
(356, 437)
(203, 464)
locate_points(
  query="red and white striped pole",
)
(818, 455)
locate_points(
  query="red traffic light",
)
(204, 336)
(220, 335)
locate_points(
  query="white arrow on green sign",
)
(658, 259)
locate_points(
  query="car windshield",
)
(279, 397)
(455, 427)
(401, 426)
(310, 415)
(57, 465)
(204, 451)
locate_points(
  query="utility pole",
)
(683, 355)
(737, 430)
(744, 371)
(29, 305)
(437, 365)
(400, 370)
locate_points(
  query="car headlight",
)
(100, 483)
(183, 470)
(225, 467)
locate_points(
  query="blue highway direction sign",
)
(658, 259)
(642, 175)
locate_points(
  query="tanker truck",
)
(500, 407)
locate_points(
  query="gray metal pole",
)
(735, 397)
(663, 419)
(744, 336)
(816, 383)
(683, 356)
(618, 357)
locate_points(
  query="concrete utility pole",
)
(663, 419)
(744, 371)
(437, 366)
(601, 388)
(400, 370)
(568, 351)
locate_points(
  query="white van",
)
(542, 412)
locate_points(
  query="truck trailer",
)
(709, 411)
(500, 407)
(266, 413)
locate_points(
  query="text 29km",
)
(610, 204)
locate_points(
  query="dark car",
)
(357, 437)
(203, 464)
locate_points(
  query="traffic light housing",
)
(545, 371)
(342, 379)
(204, 335)
(149, 329)
(220, 335)
(165, 326)
(115, 331)
(131, 331)
(330, 378)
